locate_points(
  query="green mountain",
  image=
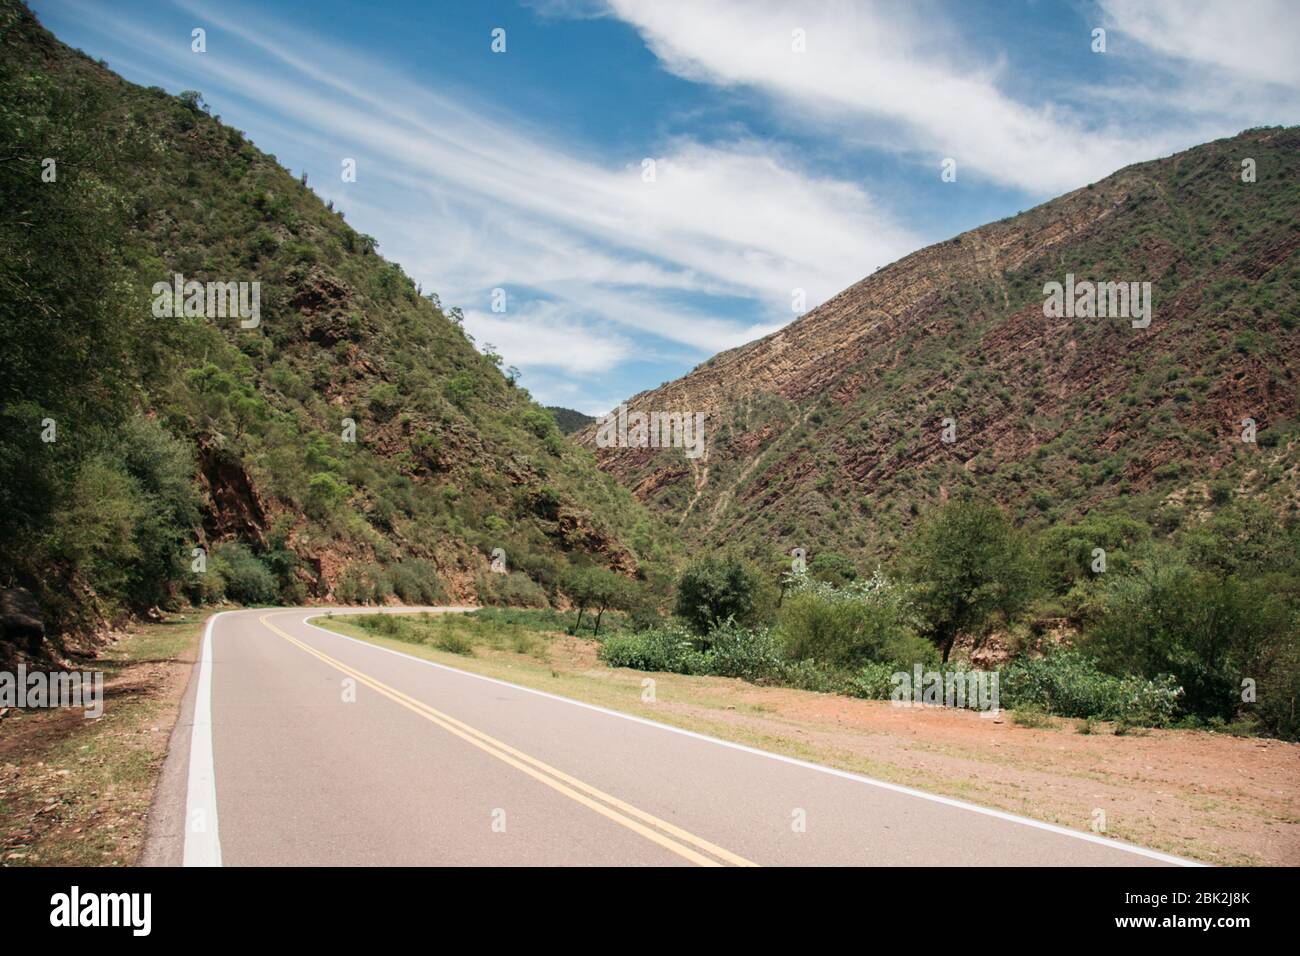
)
(569, 420)
(941, 375)
(352, 444)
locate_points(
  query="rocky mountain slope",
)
(353, 445)
(830, 433)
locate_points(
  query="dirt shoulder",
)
(1211, 797)
(76, 791)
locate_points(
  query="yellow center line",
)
(609, 806)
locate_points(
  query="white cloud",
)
(541, 334)
(1259, 40)
(880, 62)
(893, 73)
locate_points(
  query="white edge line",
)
(897, 788)
(202, 845)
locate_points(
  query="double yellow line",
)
(665, 834)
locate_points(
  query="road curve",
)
(298, 746)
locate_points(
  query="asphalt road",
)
(299, 746)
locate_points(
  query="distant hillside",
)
(829, 434)
(354, 445)
(569, 420)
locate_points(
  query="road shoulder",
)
(80, 792)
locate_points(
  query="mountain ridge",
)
(976, 298)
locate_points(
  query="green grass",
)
(549, 619)
(455, 633)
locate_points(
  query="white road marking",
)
(896, 788)
(202, 842)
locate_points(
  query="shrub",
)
(390, 625)
(875, 680)
(846, 627)
(670, 649)
(362, 583)
(1065, 552)
(1207, 631)
(325, 491)
(1279, 691)
(247, 580)
(815, 676)
(833, 568)
(449, 638)
(515, 589)
(415, 581)
(1068, 684)
(538, 421)
(749, 653)
(384, 400)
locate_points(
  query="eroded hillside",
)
(829, 434)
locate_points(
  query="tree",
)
(715, 589)
(597, 589)
(1208, 631)
(967, 564)
(833, 568)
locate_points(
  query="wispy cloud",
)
(472, 199)
(906, 71)
(1257, 41)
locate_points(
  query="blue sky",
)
(795, 146)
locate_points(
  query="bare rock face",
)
(323, 302)
(830, 431)
(22, 629)
(236, 510)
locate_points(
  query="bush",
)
(875, 681)
(247, 580)
(815, 676)
(846, 627)
(670, 649)
(362, 583)
(415, 581)
(833, 568)
(515, 589)
(749, 653)
(1207, 631)
(1279, 692)
(1068, 684)
(325, 492)
(1065, 552)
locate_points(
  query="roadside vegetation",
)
(1093, 620)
